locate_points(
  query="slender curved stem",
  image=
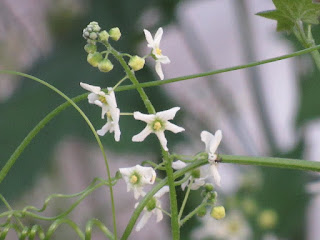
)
(185, 199)
(4, 171)
(229, 69)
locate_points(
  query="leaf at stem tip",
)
(288, 12)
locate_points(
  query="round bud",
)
(93, 36)
(136, 63)
(104, 36)
(115, 33)
(90, 48)
(218, 212)
(209, 187)
(105, 65)
(94, 58)
(151, 204)
(195, 173)
(267, 219)
(202, 211)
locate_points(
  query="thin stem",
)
(185, 199)
(121, 81)
(4, 171)
(164, 211)
(195, 211)
(223, 70)
(175, 228)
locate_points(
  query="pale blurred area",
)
(226, 101)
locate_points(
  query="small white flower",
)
(157, 124)
(112, 124)
(136, 177)
(100, 98)
(233, 227)
(154, 43)
(212, 142)
(197, 181)
(152, 207)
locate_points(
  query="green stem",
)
(103, 229)
(175, 228)
(229, 69)
(133, 79)
(195, 211)
(185, 199)
(4, 171)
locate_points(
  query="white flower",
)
(136, 177)
(100, 98)
(154, 43)
(112, 124)
(198, 181)
(152, 207)
(233, 227)
(157, 124)
(212, 142)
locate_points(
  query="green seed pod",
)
(115, 33)
(195, 173)
(105, 65)
(151, 204)
(209, 187)
(104, 36)
(202, 211)
(136, 63)
(218, 212)
(94, 58)
(90, 48)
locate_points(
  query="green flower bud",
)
(209, 187)
(115, 33)
(218, 212)
(195, 173)
(94, 58)
(90, 33)
(90, 48)
(105, 65)
(202, 211)
(136, 63)
(104, 36)
(151, 204)
(93, 36)
(267, 219)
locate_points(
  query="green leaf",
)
(288, 12)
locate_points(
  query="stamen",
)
(157, 126)
(102, 99)
(133, 179)
(158, 51)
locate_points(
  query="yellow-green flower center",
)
(157, 126)
(103, 99)
(133, 179)
(109, 115)
(158, 51)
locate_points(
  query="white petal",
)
(137, 192)
(111, 98)
(142, 135)
(126, 171)
(178, 165)
(162, 139)
(206, 137)
(143, 221)
(215, 174)
(173, 128)
(214, 143)
(148, 118)
(159, 215)
(197, 184)
(183, 185)
(91, 88)
(157, 37)
(117, 132)
(168, 114)
(163, 59)
(148, 174)
(92, 97)
(162, 191)
(159, 70)
(149, 38)
(104, 129)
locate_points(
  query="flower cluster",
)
(138, 177)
